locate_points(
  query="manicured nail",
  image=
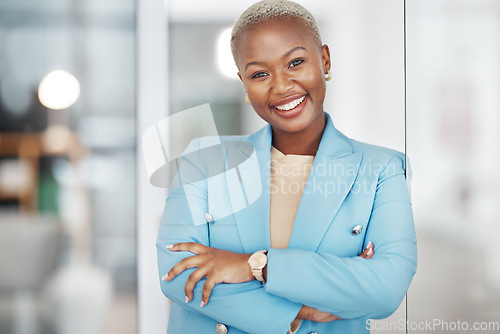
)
(370, 251)
(186, 299)
(202, 303)
(165, 277)
(169, 246)
(369, 244)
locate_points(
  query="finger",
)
(207, 290)
(187, 263)
(368, 251)
(363, 254)
(194, 278)
(193, 247)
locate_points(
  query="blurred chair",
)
(77, 300)
(38, 298)
(28, 256)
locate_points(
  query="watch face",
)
(258, 260)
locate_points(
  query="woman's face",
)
(282, 67)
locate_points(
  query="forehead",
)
(276, 35)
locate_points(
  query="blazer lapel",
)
(248, 188)
(323, 195)
(332, 176)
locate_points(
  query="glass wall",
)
(453, 129)
(67, 167)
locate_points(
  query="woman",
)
(272, 265)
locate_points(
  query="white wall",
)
(152, 88)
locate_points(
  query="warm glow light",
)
(57, 139)
(224, 56)
(59, 90)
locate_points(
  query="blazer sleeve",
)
(246, 306)
(356, 287)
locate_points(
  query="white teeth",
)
(291, 105)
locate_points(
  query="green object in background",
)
(48, 191)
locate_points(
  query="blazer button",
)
(314, 333)
(357, 229)
(221, 328)
(209, 218)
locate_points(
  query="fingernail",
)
(186, 299)
(165, 277)
(370, 251)
(202, 303)
(369, 244)
(169, 246)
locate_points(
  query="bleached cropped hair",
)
(268, 9)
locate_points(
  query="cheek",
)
(315, 83)
(260, 100)
(310, 77)
(259, 96)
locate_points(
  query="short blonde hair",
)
(268, 9)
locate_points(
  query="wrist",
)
(305, 313)
(248, 269)
(257, 263)
(302, 313)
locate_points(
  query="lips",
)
(291, 106)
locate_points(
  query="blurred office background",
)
(67, 167)
(78, 217)
(453, 141)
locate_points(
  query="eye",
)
(296, 62)
(257, 75)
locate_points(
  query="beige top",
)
(289, 174)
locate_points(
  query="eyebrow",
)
(299, 47)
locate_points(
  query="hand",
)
(368, 252)
(312, 314)
(217, 265)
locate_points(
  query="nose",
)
(282, 83)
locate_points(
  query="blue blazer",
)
(352, 188)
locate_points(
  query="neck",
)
(305, 142)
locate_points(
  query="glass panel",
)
(453, 144)
(67, 167)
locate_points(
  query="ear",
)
(325, 57)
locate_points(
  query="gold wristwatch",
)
(257, 262)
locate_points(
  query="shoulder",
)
(379, 153)
(385, 159)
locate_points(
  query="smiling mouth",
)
(291, 105)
